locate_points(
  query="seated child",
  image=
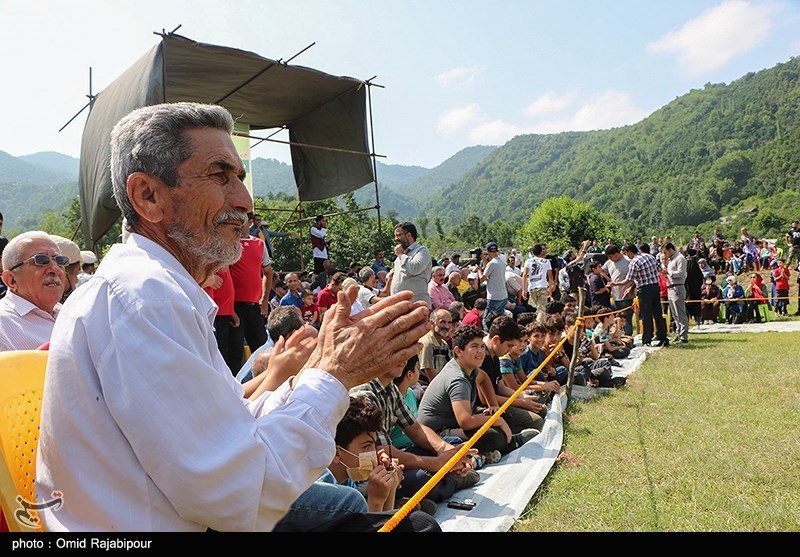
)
(601, 337)
(310, 310)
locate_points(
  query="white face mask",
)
(366, 463)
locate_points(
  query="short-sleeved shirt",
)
(246, 273)
(398, 436)
(395, 410)
(491, 365)
(308, 312)
(290, 299)
(434, 354)
(325, 298)
(449, 386)
(223, 296)
(530, 360)
(597, 282)
(643, 270)
(495, 272)
(509, 365)
(794, 236)
(617, 271)
(537, 272)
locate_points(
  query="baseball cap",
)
(471, 276)
(68, 248)
(88, 257)
(492, 246)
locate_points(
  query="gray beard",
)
(209, 252)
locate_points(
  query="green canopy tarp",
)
(326, 117)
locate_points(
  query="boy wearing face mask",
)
(358, 464)
(359, 481)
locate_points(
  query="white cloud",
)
(607, 109)
(550, 102)
(459, 76)
(495, 132)
(716, 36)
(459, 118)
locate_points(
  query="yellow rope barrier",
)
(464, 448)
(403, 511)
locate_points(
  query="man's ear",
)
(336, 458)
(10, 280)
(148, 196)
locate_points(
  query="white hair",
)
(12, 254)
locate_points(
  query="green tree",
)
(564, 223)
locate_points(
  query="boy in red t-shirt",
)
(781, 277)
(310, 310)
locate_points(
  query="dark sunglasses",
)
(42, 260)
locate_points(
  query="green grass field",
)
(705, 437)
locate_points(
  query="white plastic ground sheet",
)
(507, 487)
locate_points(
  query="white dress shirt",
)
(143, 426)
(24, 326)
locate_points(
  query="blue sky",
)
(456, 73)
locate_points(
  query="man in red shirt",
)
(219, 287)
(327, 296)
(252, 282)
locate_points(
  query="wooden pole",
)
(575, 343)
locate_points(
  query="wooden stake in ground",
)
(575, 343)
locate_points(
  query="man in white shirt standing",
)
(143, 427)
(537, 281)
(675, 271)
(319, 242)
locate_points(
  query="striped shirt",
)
(24, 326)
(395, 410)
(643, 270)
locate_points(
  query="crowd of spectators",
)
(222, 394)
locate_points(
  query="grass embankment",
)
(704, 437)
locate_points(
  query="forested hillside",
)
(709, 154)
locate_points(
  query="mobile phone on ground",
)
(466, 505)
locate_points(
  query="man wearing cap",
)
(476, 290)
(88, 263)
(33, 270)
(73, 268)
(412, 267)
(494, 274)
(537, 281)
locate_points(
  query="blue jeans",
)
(324, 500)
(494, 305)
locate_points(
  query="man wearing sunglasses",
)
(33, 270)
